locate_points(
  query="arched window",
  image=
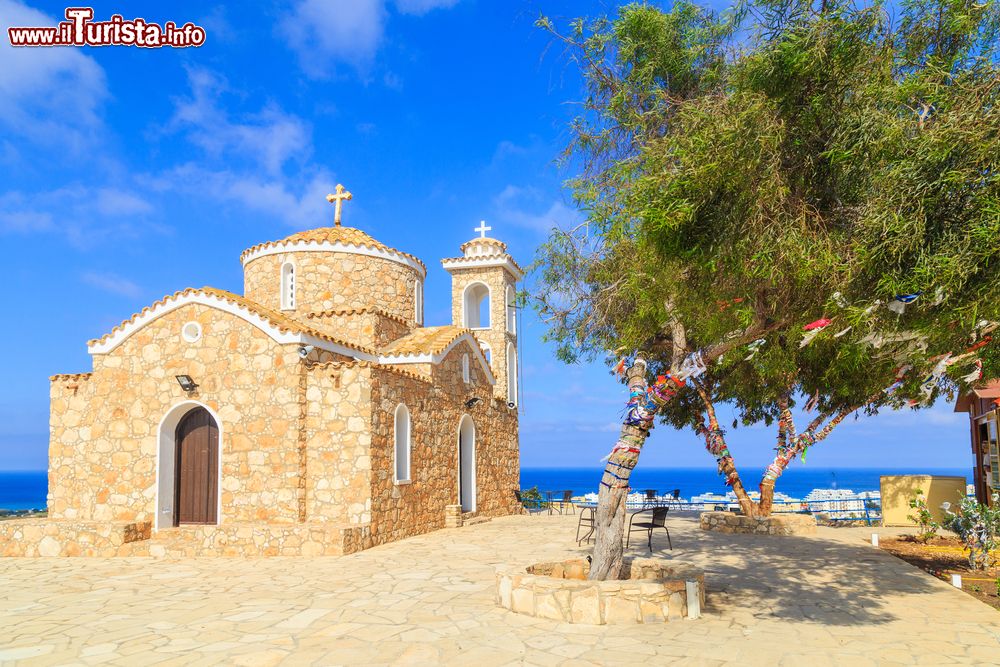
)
(418, 302)
(511, 374)
(465, 368)
(511, 309)
(401, 429)
(288, 286)
(476, 306)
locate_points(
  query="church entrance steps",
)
(34, 538)
(256, 540)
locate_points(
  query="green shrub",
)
(922, 517)
(978, 526)
(532, 495)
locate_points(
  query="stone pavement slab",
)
(827, 599)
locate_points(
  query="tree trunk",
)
(766, 497)
(715, 443)
(609, 528)
(747, 505)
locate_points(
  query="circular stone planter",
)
(655, 591)
(776, 524)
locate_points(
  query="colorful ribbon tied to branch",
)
(693, 366)
(976, 374)
(900, 373)
(813, 329)
(804, 441)
(981, 344)
(898, 303)
(665, 388)
(754, 347)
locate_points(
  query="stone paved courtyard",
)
(824, 600)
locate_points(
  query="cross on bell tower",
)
(338, 202)
(482, 229)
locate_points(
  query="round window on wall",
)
(191, 332)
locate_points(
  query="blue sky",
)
(131, 173)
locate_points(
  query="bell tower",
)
(483, 299)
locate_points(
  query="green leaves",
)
(744, 167)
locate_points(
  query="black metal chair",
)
(527, 503)
(588, 520)
(650, 499)
(658, 520)
(675, 497)
(567, 502)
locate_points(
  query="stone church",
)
(315, 414)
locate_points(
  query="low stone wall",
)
(33, 538)
(655, 591)
(776, 524)
(252, 540)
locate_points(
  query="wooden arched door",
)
(197, 466)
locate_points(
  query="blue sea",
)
(27, 490)
(796, 482)
(23, 490)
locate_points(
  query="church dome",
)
(347, 236)
(331, 269)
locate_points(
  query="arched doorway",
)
(196, 478)
(467, 464)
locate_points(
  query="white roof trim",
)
(325, 246)
(219, 303)
(436, 359)
(282, 337)
(483, 262)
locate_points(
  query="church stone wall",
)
(104, 430)
(333, 281)
(496, 336)
(337, 440)
(498, 466)
(402, 510)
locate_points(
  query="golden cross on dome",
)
(338, 202)
(482, 229)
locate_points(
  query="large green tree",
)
(786, 199)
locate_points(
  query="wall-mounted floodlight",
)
(473, 402)
(186, 383)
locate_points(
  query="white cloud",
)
(257, 160)
(525, 207)
(270, 136)
(21, 216)
(297, 204)
(421, 7)
(114, 203)
(50, 96)
(112, 283)
(506, 149)
(326, 32)
(85, 216)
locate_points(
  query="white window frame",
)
(511, 309)
(511, 374)
(288, 285)
(418, 301)
(406, 445)
(467, 316)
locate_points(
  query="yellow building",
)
(314, 414)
